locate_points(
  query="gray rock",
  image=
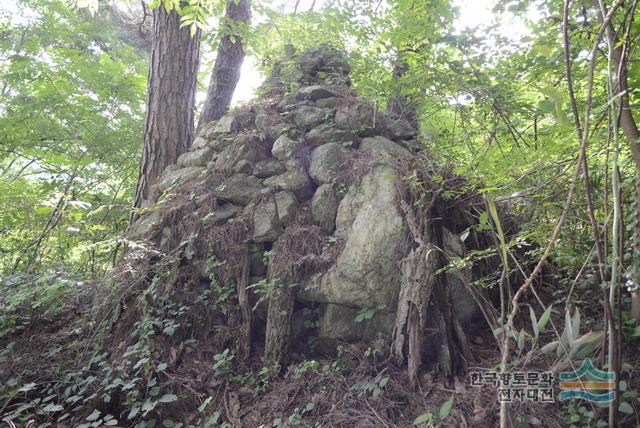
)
(384, 148)
(169, 168)
(177, 176)
(238, 189)
(287, 103)
(284, 147)
(268, 168)
(262, 121)
(245, 146)
(274, 131)
(266, 224)
(257, 267)
(206, 131)
(220, 143)
(306, 117)
(400, 129)
(198, 157)
(412, 145)
(207, 127)
(315, 93)
(326, 160)
(294, 180)
(221, 214)
(459, 281)
(366, 273)
(199, 143)
(232, 122)
(311, 62)
(337, 62)
(324, 134)
(360, 117)
(324, 207)
(287, 206)
(339, 322)
(328, 102)
(142, 228)
(243, 166)
(224, 125)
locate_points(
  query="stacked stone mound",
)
(309, 148)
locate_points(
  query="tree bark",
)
(168, 125)
(279, 313)
(226, 70)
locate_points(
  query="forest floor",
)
(359, 387)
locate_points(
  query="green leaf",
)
(168, 398)
(534, 323)
(52, 408)
(423, 418)
(625, 408)
(94, 416)
(521, 340)
(446, 408)
(133, 412)
(544, 319)
(204, 404)
(496, 220)
(148, 406)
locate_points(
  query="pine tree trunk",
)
(168, 125)
(226, 71)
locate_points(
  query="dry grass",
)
(302, 250)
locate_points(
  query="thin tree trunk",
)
(226, 71)
(632, 133)
(244, 348)
(168, 125)
(276, 349)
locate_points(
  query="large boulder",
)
(238, 189)
(195, 158)
(366, 273)
(284, 147)
(295, 180)
(268, 168)
(326, 161)
(361, 117)
(326, 134)
(315, 93)
(307, 117)
(174, 177)
(287, 206)
(221, 214)
(384, 148)
(245, 147)
(266, 222)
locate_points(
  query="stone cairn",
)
(309, 173)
